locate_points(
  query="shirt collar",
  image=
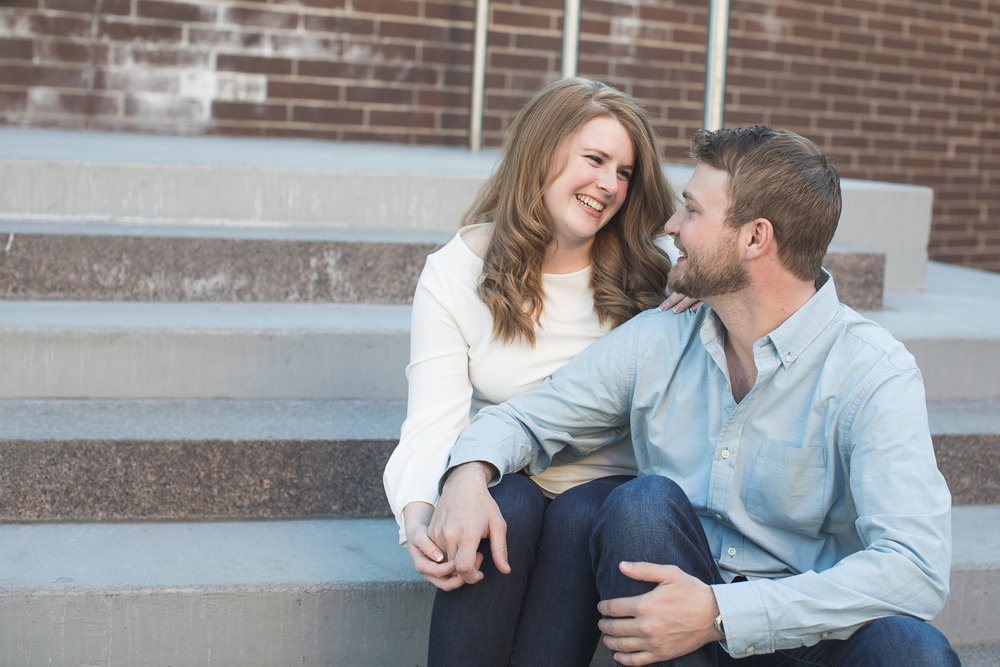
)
(797, 332)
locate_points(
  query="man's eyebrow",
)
(688, 196)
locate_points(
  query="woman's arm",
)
(439, 396)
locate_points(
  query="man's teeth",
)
(589, 201)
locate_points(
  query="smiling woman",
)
(559, 248)
(588, 192)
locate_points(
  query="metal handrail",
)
(478, 76)
(571, 38)
(715, 64)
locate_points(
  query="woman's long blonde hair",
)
(629, 270)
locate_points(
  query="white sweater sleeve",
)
(440, 393)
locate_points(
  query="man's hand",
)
(428, 559)
(465, 515)
(674, 619)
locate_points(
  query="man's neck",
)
(751, 314)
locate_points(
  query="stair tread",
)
(86, 315)
(265, 419)
(117, 420)
(307, 552)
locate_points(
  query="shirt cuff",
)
(744, 619)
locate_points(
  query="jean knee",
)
(523, 508)
(572, 514)
(643, 497)
(902, 640)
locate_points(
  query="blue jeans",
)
(545, 611)
(651, 519)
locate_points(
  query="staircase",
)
(203, 351)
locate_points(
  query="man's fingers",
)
(468, 560)
(652, 572)
(498, 544)
(617, 607)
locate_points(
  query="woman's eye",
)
(596, 159)
(625, 175)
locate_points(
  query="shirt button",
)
(825, 635)
(788, 358)
(731, 551)
(750, 650)
(718, 517)
(725, 453)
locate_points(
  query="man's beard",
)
(710, 275)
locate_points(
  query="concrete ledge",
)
(101, 177)
(290, 592)
(203, 350)
(953, 330)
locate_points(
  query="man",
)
(789, 506)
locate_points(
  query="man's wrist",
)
(485, 470)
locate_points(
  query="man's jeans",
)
(545, 611)
(650, 519)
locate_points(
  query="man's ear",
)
(760, 238)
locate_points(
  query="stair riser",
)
(111, 480)
(102, 481)
(146, 268)
(137, 364)
(140, 268)
(371, 625)
(363, 625)
(958, 369)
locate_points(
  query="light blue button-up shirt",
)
(820, 486)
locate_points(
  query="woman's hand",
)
(679, 303)
(428, 559)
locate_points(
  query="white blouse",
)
(457, 367)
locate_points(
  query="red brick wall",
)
(897, 90)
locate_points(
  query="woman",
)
(557, 250)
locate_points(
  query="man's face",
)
(711, 263)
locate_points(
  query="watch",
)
(719, 627)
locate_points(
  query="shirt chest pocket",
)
(787, 486)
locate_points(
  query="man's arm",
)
(903, 522)
(585, 405)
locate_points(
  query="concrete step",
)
(130, 262)
(140, 350)
(953, 330)
(105, 177)
(312, 592)
(326, 351)
(160, 460)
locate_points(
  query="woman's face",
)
(599, 160)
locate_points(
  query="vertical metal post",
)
(571, 38)
(478, 76)
(715, 64)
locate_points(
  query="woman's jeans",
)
(545, 611)
(650, 519)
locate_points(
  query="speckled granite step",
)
(117, 460)
(120, 262)
(142, 460)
